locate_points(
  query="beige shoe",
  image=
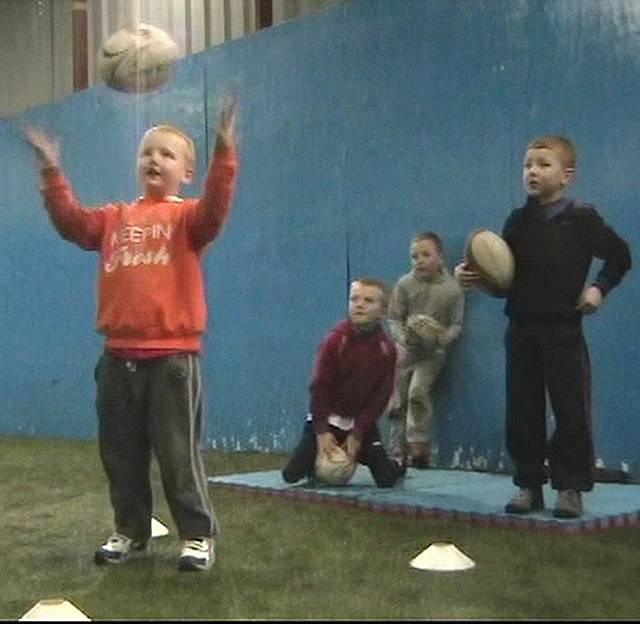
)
(568, 505)
(526, 500)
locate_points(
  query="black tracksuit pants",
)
(549, 356)
(154, 406)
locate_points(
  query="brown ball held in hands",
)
(489, 255)
(423, 332)
(334, 468)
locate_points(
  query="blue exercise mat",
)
(477, 497)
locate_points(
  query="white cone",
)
(443, 557)
(54, 610)
(158, 529)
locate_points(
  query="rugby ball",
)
(423, 331)
(334, 468)
(137, 59)
(489, 255)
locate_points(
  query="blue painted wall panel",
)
(358, 127)
(278, 276)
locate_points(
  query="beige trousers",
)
(411, 407)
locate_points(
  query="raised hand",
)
(46, 149)
(225, 132)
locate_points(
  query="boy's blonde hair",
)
(430, 236)
(375, 283)
(190, 150)
(563, 146)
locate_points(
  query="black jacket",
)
(553, 257)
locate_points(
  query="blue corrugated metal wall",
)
(358, 127)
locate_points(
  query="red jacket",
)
(353, 377)
(150, 284)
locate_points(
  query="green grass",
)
(280, 558)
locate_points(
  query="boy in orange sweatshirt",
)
(151, 310)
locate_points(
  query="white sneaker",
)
(197, 554)
(117, 549)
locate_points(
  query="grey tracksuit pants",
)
(147, 406)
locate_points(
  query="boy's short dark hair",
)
(430, 236)
(565, 148)
(376, 283)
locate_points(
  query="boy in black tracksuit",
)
(553, 240)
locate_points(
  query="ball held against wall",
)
(137, 59)
(489, 255)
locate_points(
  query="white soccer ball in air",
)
(137, 59)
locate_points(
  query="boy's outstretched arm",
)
(212, 210)
(72, 221)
